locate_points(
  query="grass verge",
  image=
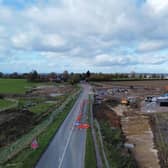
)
(28, 157)
(118, 156)
(90, 156)
(159, 124)
(99, 144)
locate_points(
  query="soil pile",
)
(14, 123)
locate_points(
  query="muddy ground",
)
(18, 121)
(13, 124)
(146, 133)
(113, 137)
(51, 90)
(102, 112)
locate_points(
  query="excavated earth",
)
(14, 123)
(144, 125)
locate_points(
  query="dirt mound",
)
(138, 132)
(102, 112)
(13, 124)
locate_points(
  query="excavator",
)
(124, 101)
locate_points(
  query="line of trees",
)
(72, 78)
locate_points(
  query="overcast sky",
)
(77, 35)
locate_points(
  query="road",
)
(67, 148)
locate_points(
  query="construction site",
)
(137, 114)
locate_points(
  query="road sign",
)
(83, 126)
(34, 144)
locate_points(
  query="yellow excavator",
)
(124, 101)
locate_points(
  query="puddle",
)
(139, 133)
(55, 94)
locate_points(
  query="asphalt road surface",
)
(67, 148)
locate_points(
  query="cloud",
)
(158, 5)
(147, 46)
(37, 41)
(95, 33)
(108, 60)
(129, 60)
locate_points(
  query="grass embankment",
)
(90, 156)
(117, 156)
(5, 103)
(101, 148)
(159, 124)
(28, 157)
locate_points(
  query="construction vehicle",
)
(124, 101)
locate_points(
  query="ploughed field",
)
(146, 83)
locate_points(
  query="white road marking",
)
(66, 146)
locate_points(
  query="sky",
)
(98, 35)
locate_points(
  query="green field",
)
(15, 85)
(5, 103)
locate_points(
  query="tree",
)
(141, 76)
(52, 75)
(154, 76)
(75, 79)
(133, 74)
(162, 76)
(1, 74)
(33, 76)
(25, 75)
(14, 75)
(65, 76)
(116, 76)
(88, 74)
